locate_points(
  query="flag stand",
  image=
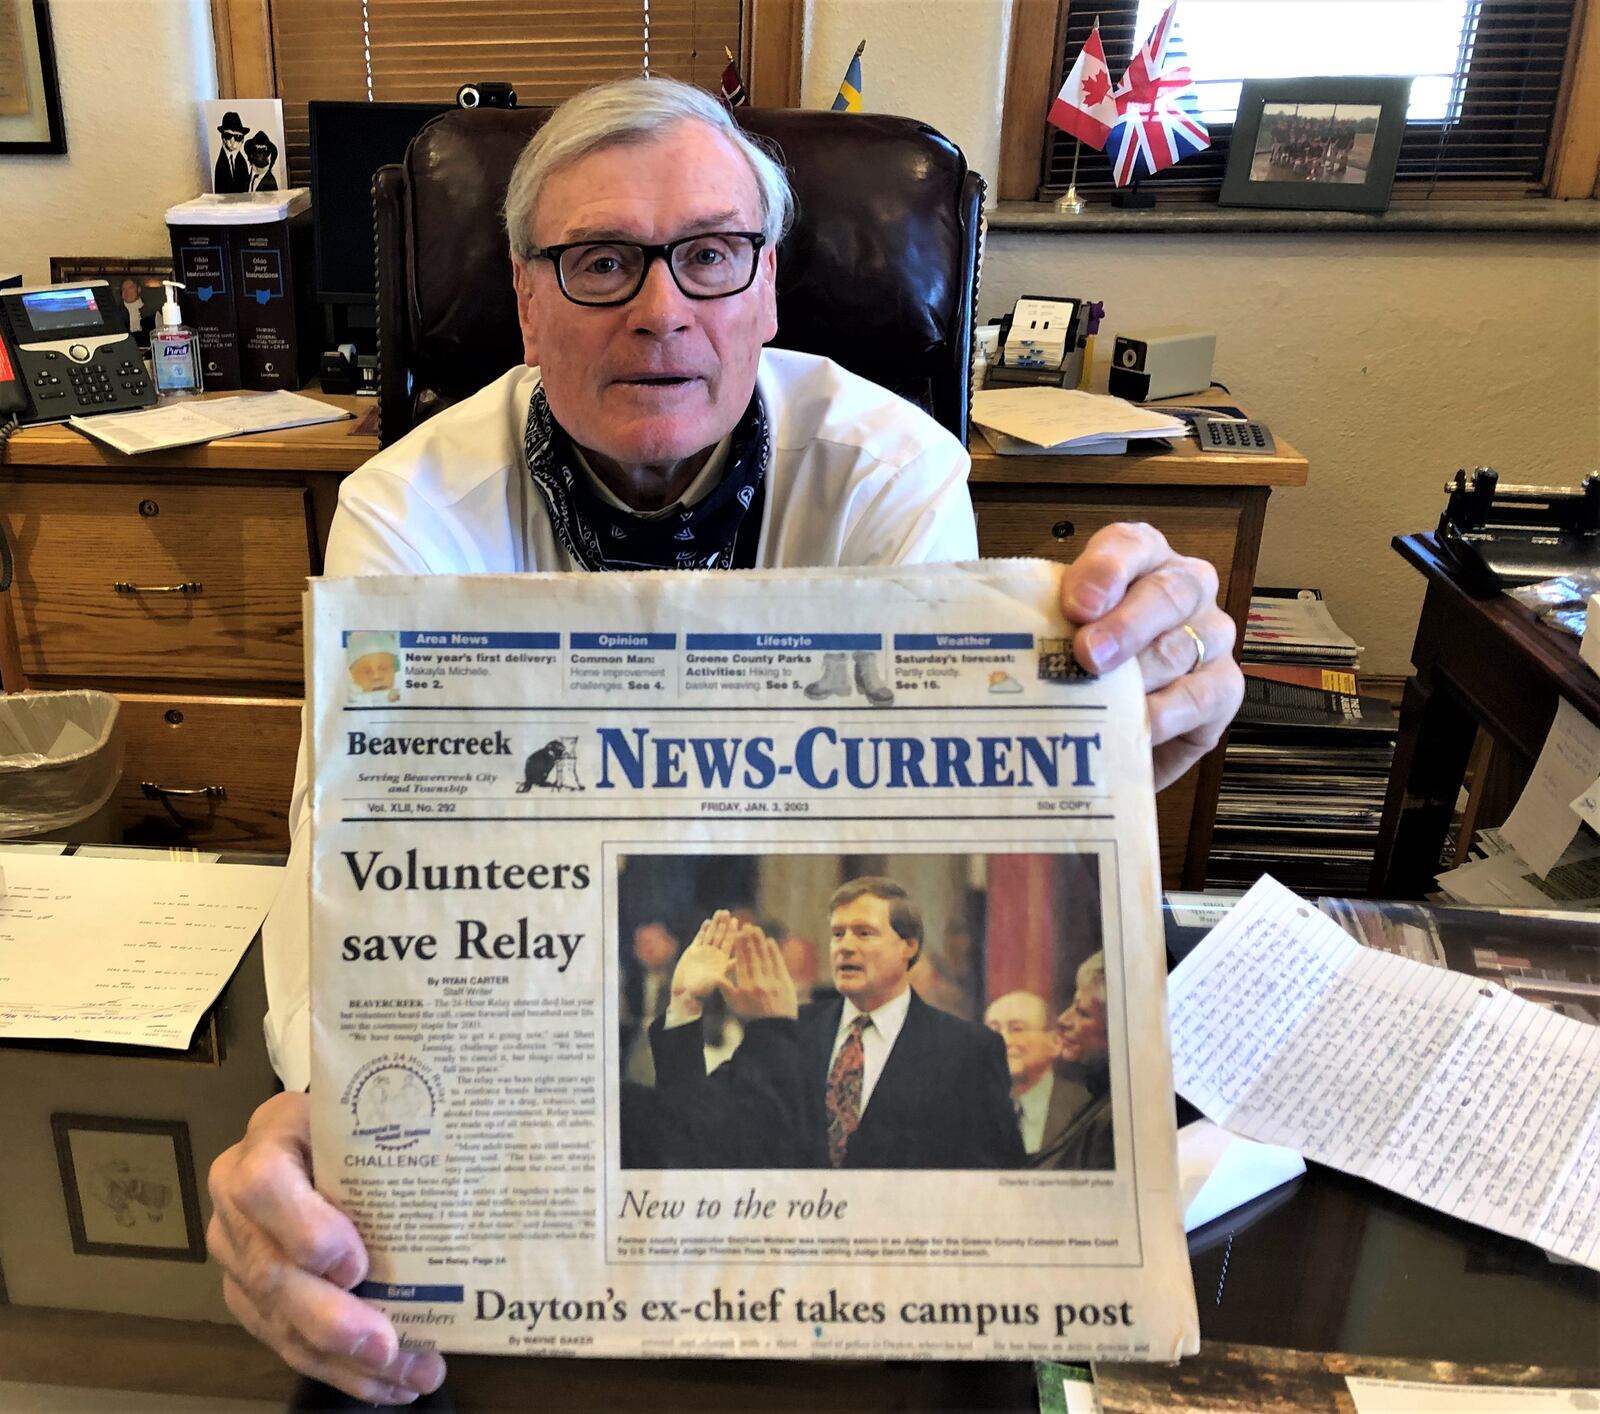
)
(1133, 198)
(1071, 204)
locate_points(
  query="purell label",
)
(177, 367)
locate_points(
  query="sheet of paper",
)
(1544, 821)
(264, 412)
(1589, 646)
(1508, 881)
(1439, 1086)
(1220, 1171)
(1415, 1397)
(174, 855)
(111, 950)
(1052, 417)
(1083, 447)
(1588, 805)
(154, 429)
(184, 424)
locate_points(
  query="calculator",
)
(1230, 434)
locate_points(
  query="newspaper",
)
(537, 798)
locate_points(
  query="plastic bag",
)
(60, 759)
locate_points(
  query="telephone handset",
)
(66, 351)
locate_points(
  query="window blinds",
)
(1509, 91)
(424, 50)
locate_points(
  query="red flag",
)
(733, 93)
(1084, 106)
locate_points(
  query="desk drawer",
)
(210, 576)
(208, 771)
(1058, 524)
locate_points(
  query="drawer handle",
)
(153, 791)
(1063, 530)
(189, 586)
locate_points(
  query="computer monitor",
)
(349, 142)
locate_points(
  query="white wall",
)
(1388, 360)
(938, 60)
(132, 74)
(1446, 350)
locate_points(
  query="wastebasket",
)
(60, 761)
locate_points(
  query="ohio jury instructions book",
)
(542, 802)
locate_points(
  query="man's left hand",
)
(1135, 594)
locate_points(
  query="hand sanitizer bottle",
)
(175, 352)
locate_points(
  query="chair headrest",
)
(874, 273)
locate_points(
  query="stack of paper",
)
(1295, 626)
(1027, 421)
(185, 424)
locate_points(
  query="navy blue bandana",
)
(719, 532)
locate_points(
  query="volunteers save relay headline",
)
(822, 759)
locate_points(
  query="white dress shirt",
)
(877, 1039)
(856, 476)
(1035, 1105)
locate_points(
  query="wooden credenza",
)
(174, 580)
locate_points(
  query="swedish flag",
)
(849, 97)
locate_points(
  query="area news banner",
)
(529, 792)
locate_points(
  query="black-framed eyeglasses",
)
(709, 266)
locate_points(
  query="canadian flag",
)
(1084, 107)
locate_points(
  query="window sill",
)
(1542, 216)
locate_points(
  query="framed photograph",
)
(244, 144)
(1323, 144)
(30, 98)
(129, 1186)
(135, 280)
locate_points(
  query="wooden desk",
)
(1480, 663)
(1210, 505)
(202, 643)
(211, 679)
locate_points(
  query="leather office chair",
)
(879, 273)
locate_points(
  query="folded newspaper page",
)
(761, 965)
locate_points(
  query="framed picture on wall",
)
(30, 98)
(129, 1186)
(1320, 144)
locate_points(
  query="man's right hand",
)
(702, 967)
(289, 1258)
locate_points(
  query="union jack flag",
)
(1158, 116)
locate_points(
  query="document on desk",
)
(187, 424)
(580, 844)
(110, 950)
(1546, 815)
(1440, 1086)
(1061, 419)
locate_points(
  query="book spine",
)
(1309, 675)
(203, 259)
(273, 266)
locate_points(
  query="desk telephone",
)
(65, 351)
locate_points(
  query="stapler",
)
(1500, 537)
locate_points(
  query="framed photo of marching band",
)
(1318, 144)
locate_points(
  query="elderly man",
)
(1087, 1143)
(890, 1082)
(649, 428)
(1045, 1103)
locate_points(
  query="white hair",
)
(631, 111)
